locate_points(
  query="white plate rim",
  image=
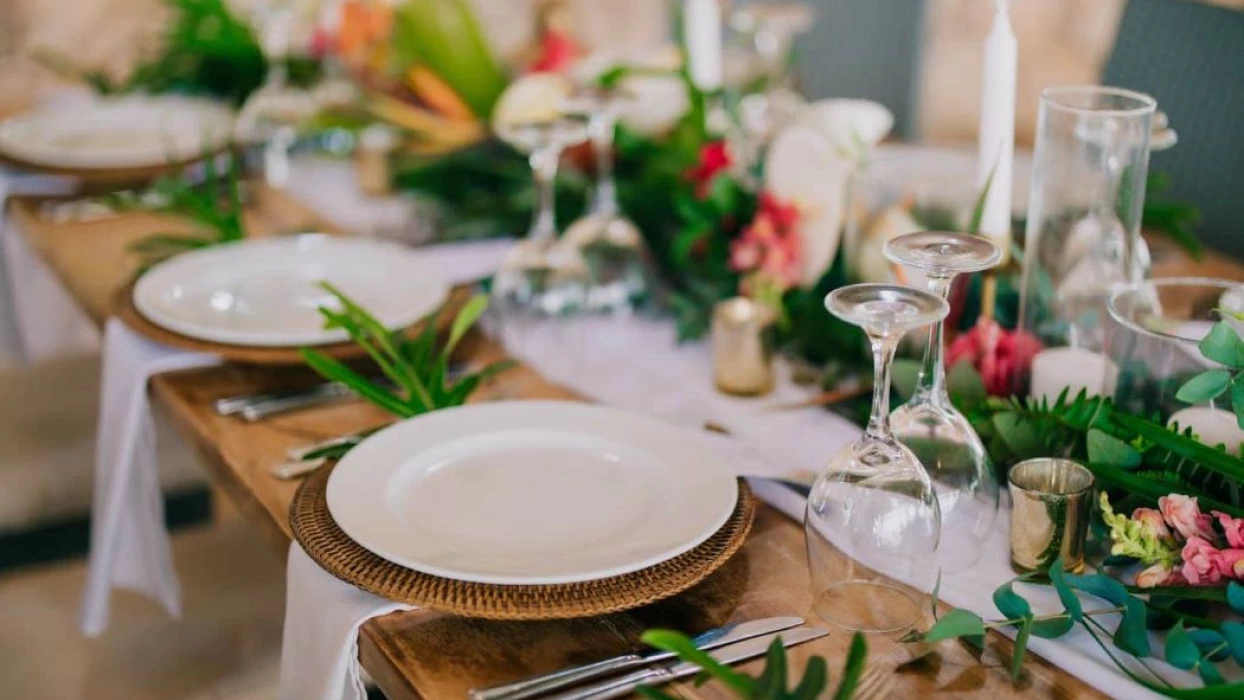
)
(216, 118)
(147, 290)
(341, 493)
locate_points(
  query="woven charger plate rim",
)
(320, 537)
(128, 313)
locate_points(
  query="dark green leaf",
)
(333, 370)
(1021, 646)
(1212, 643)
(1054, 627)
(815, 678)
(1132, 635)
(1099, 585)
(1237, 399)
(651, 693)
(1209, 673)
(854, 667)
(1068, 597)
(956, 623)
(1009, 603)
(772, 681)
(1235, 596)
(1019, 435)
(1223, 345)
(1105, 449)
(1181, 651)
(978, 208)
(1233, 632)
(1204, 386)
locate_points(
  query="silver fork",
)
(877, 683)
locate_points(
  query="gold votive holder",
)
(376, 145)
(1050, 502)
(742, 353)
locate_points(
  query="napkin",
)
(319, 647)
(129, 544)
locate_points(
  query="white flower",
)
(853, 127)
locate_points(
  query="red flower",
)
(557, 53)
(714, 158)
(999, 355)
(1202, 562)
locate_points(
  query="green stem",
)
(1122, 668)
(1052, 616)
(1139, 660)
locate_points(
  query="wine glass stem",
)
(543, 162)
(883, 358)
(601, 127)
(931, 383)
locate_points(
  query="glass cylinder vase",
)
(1082, 240)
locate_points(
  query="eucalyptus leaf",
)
(1099, 585)
(1132, 634)
(904, 374)
(965, 384)
(1209, 673)
(956, 623)
(1233, 632)
(1021, 646)
(1065, 594)
(1223, 345)
(1012, 605)
(1212, 643)
(1235, 596)
(1181, 651)
(1204, 386)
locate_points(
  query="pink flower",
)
(1151, 520)
(1234, 527)
(1160, 574)
(1181, 512)
(769, 248)
(1231, 563)
(1201, 562)
(997, 354)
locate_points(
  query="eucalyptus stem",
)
(1051, 616)
(1139, 660)
(1116, 661)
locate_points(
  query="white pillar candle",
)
(997, 127)
(1212, 426)
(1073, 369)
(702, 33)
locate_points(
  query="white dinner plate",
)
(266, 292)
(128, 132)
(531, 492)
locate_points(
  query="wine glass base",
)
(866, 606)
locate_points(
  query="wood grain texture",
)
(433, 655)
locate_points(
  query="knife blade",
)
(712, 639)
(728, 655)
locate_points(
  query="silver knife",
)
(712, 639)
(664, 673)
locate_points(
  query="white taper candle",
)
(997, 126)
(702, 32)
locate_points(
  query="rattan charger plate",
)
(326, 544)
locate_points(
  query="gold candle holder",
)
(742, 355)
(375, 146)
(1050, 502)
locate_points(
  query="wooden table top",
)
(430, 655)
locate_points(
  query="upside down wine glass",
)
(872, 522)
(928, 424)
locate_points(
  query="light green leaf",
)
(1223, 345)
(1204, 386)
(685, 649)
(1237, 398)
(1019, 435)
(1106, 449)
(956, 623)
(904, 373)
(466, 318)
(965, 384)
